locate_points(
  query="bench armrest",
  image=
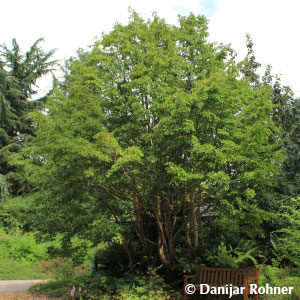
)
(185, 282)
(189, 276)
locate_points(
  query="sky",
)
(71, 24)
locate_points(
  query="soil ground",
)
(17, 290)
(21, 296)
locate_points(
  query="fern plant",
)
(225, 256)
(286, 241)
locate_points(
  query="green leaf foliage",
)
(151, 127)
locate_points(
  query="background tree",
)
(280, 199)
(18, 76)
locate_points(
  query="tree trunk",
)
(162, 242)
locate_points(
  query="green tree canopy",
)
(154, 125)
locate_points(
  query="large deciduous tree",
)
(154, 125)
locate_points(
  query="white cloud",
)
(70, 24)
(273, 25)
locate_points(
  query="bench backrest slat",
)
(215, 281)
(241, 279)
(200, 276)
(211, 276)
(228, 279)
(223, 276)
(208, 276)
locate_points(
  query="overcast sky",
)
(69, 24)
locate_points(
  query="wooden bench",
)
(216, 277)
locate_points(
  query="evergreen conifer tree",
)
(18, 77)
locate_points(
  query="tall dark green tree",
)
(250, 66)
(19, 73)
(285, 115)
(281, 198)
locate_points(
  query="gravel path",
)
(13, 286)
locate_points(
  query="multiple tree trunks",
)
(217, 277)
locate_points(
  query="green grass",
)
(21, 255)
(15, 270)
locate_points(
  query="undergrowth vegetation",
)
(22, 247)
(281, 277)
(98, 285)
(101, 286)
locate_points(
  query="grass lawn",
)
(14, 270)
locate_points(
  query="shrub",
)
(143, 288)
(281, 277)
(22, 247)
(113, 259)
(59, 268)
